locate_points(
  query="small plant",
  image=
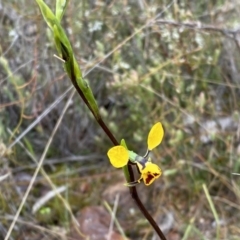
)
(119, 155)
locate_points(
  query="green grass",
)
(187, 78)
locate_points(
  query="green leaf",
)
(66, 53)
(47, 13)
(60, 8)
(123, 143)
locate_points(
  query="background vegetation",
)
(171, 61)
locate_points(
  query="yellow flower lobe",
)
(155, 136)
(150, 173)
(118, 156)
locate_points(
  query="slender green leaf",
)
(60, 8)
(65, 50)
(47, 13)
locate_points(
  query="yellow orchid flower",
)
(149, 172)
(119, 156)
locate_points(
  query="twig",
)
(203, 27)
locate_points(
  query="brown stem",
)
(134, 194)
(133, 190)
(107, 131)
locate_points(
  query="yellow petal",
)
(155, 136)
(150, 173)
(118, 156)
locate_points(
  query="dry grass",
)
(170, 69)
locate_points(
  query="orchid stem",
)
(73, 70)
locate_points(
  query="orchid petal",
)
(149, 172)
(118, 156)
(155, 136)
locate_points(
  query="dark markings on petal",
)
(156, 174)
(149, 178)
